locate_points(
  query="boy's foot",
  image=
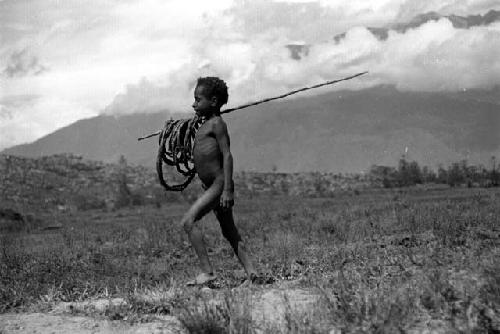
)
(261, 279)
(258, 280)
(201, 279)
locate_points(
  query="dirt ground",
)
(269, 307)
(41, 323)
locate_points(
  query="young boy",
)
(214, 164)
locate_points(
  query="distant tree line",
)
(409, 173)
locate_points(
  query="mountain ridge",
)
(459, 22)
(299, 51)
(340, 131)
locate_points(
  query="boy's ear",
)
(214, 101)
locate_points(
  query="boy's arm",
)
(222, 136)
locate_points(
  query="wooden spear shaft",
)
(292, 92)
(274, 98)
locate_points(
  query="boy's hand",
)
(227, 199)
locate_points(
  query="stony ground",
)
(269, 308)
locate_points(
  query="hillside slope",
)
(344, 131)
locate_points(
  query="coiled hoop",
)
(176, 144)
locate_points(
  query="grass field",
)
(386, 261)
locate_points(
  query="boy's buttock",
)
(217, 182)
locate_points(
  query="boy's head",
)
(210, 93)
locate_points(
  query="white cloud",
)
(435, 56)
(25, 119)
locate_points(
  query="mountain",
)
(103, 138)
(342, 131)
(349, 131)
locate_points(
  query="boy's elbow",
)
(228, 157)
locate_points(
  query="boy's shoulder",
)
(216, 121)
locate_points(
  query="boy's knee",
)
(231, 233)
(188, 224)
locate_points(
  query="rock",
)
(100, 305)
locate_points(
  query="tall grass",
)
(386, 263)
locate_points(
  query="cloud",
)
(5, 114)
(144, 96)
(435, 56)
(318, 21)
(26, 118)
(21, 63)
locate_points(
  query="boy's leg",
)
(200, 207)
(229, 231)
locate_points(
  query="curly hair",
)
(214, 86)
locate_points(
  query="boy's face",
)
(202, 104)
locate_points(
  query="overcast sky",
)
(61, 61)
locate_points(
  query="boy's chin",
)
(201, 113)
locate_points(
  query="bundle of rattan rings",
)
(175, 149)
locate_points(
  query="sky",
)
(61, 61)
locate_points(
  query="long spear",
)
(331, 82)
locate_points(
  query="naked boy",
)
(214, 165)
